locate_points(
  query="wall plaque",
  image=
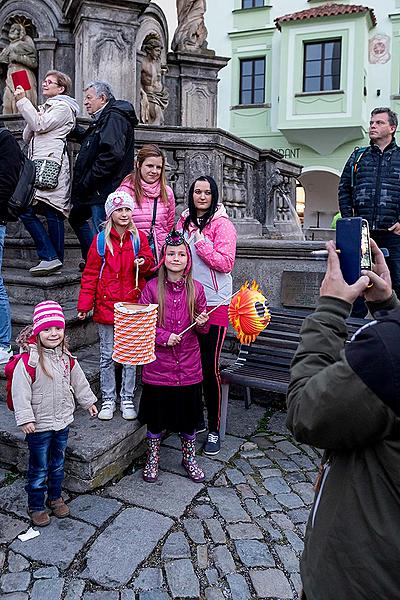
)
(300, 288)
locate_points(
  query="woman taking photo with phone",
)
(211, 236)
(46, 130)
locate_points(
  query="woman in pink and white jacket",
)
(154, 199)
(211, 236)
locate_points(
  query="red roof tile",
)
(328, 10)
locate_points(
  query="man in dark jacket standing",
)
(105, 158)
(345, 398)
(370, 187)
(10, 165)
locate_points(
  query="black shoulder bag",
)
(150, 237)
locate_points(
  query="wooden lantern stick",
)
(212, 310)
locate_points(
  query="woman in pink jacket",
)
(154, 211)
(211, 236)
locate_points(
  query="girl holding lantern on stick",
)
(211, 237)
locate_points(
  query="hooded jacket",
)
(103, 285)
(181, 364)
(143, 214)
(106, 154)
(49, 401)
(10, 165)
(46, 132)
(345, 398)
(213, 255)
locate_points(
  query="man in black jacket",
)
(10, 165)
(105, 158)
(370, 187)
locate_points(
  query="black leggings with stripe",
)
(210, 348)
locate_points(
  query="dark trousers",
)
(46, 466)
(49, 244)
(79, 220)
(210, 348)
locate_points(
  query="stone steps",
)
(22, 288)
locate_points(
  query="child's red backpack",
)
(10, 368)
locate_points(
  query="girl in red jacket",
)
(109, 277)
(154, 201)
(172, 383)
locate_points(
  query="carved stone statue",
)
(191, 33)
(154, 97)
(19, 54)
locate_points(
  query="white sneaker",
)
(128, 410)
(45, 267)
(107, 410)
(5, 354)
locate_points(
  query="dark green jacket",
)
(345, 398)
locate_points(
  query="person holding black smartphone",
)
(345, 399)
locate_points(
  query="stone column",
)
(46, 49)
(194, 79)
(105, 35)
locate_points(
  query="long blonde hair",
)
(108, 224)
(23, 339)
(147, 151)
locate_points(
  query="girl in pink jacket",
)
(172, 383)
(211, 236)
(154, 211)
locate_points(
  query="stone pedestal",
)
(105, 48)
(193, 81)
(46, 48)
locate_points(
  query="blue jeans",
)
(46, 466)
(5, 314)
(49, 245)
(107, 368)
(391, 241)
(79, 222)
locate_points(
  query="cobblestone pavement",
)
(238, 535)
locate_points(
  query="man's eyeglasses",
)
(200, 192)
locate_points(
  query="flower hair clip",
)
(174, 238)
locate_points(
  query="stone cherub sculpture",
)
(191, 33)
(19, 54)
(154, 97)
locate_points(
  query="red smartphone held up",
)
(21, 78)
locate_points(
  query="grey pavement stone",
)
(298, 477)
(47, 589)
(223, 560)
(94, 509)
(202, 556)
(290, 500)
(252, 454)
(253, 508)
(171, 495)
(132, 536)
(127, 594)
(288, 558)
(214, 594)
(212, 576)
(171, 460)
(302, 528)
(288, 465)
(217, 533)
(57, 544)
(271, 582)
(313, 453)
(274, 454)
(101, 596)
(274, 533)
(249, 446)
(277, 423)
(195, 531)
(258, 489)
(262, 440)
(10, 528)
(261, 463)
(294, 540)
(46, 573)
(265, 473)
(305, 491)
(154, 595)
(221, 481)
(238, 586)
(299, 515)
(235, 476)
(287, 447)
(269, 503)
(297, 583)
(13, 498)
(304, 462)
(2, 559)
(276, 485)
(175, 546)
(149, 579)
(203, 511)
(245, 531)
(282, 520)
(16, 596)
(245, 490)
(243, 466)
(3, 475)
(254, 554)
(243, 422)
(75, 589)
(15, 582)
(228, 505)
(182, 579)
(17, 563)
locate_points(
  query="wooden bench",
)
(265, 364)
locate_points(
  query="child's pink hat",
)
(47, 314)
(118, 200)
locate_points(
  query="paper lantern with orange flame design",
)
(248, 312)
